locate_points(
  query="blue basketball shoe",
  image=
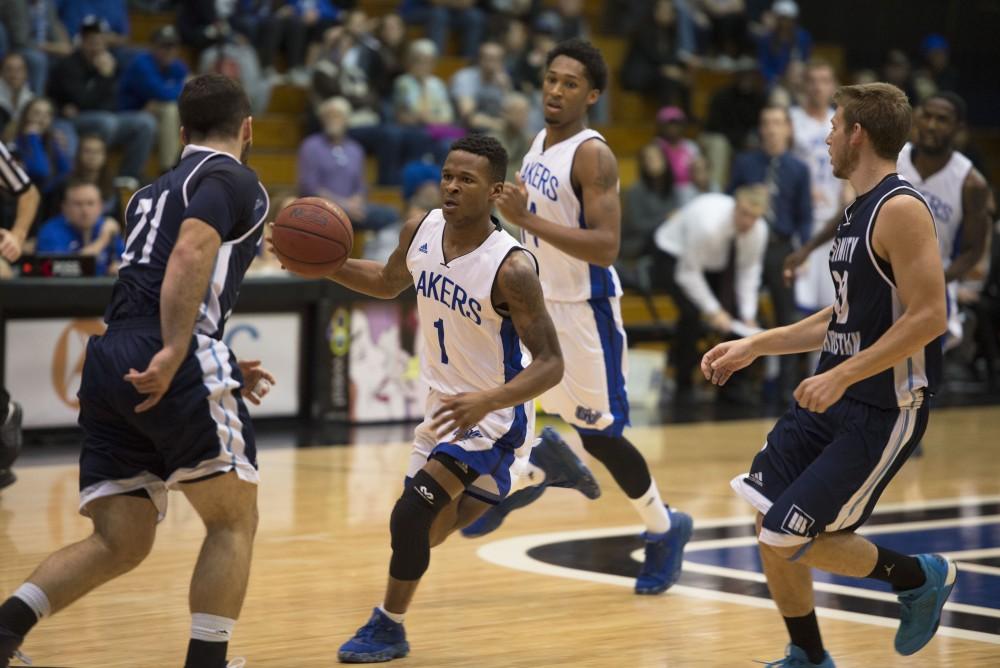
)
(562, 469)
(795, 657)
(381, 639)
(921, 607)
(664, 554)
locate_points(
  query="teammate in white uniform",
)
(566, 203)
(810, 126)
(955, 191)
(478, 298)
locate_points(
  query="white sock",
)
(398, 618)
(34, 598)
(651, 510)
(211, 628)
(524, 474)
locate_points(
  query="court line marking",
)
(513, 553)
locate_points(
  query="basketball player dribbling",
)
(829, 458)
(567, 206)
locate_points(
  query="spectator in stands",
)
(83, 230)
(789, 216)
(92, 166)
(898, 71)
(76, 14)
(48, 37)
(15, 36)
(41, 148)
(84, 86)
(709, 259)
(937, 72)
(386, 63)
(295, 25)
(479, 90)
(513, 133)
(682, 154)
(14, 91)
(342, 69)
(530, 69)
(725, 22)
(654, 64)
(573, 24)
(420, 98)
(733, 115)
(332, 165)
(516, 41)
(202, 24)
(648, 202)
(784, 43)
(153, 82)
(421, 188)
(440, 16)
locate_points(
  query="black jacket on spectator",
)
(75, 81)
(735, 113)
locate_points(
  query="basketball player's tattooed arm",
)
(595, 175)
(383, 281)
(518, 291)
(975, 227)
(903, 236)
(185, 282)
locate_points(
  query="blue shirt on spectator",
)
(790, 213)
(144, 81)
(58, 236)
(73, 12)
(325, 9)
(774, 56)
(47, 165)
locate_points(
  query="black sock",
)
(203, 654)
(804, 632)
(901, 571)
(17, 616)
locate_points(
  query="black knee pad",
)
(627, 465)
(410, 526)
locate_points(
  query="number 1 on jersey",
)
(524, 234)
(439, 326)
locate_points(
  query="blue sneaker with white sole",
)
(664, 555)
(796, 657)
(380, 640)
(562, 469)
(921, 607)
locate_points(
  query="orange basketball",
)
(312, 237)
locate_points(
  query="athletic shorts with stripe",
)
(591, 396)
(824, 472)
(199, 428)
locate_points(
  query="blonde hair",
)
(341, 104)
(755, 197)
(882, 110)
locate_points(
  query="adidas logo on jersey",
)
(426, 493)
(756, 478)
(423, 248)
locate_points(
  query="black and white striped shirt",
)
(12, 175)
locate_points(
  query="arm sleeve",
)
(12, 176)
(690, 276)
(749, 266)
(221, 199)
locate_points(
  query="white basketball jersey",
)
(547, 174)
(809, 146)
(943, 192)
(467, 346)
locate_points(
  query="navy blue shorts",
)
(199, 428)
(824, 472)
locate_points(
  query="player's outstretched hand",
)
(459, 413)
(513, 201)
(725, 359)
(257, 381)
(818, 393)
(155, 380)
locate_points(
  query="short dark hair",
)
(75, 182)
(213, 105)
(883, 110)
(954, 99)
(489, 148)
(587, 55)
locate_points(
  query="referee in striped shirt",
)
(13, 181)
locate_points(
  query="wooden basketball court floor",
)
(550, 588)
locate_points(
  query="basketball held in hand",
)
(312, 237)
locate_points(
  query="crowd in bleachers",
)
(82, 103)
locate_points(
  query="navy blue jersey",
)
(208, 185)
(867, 305)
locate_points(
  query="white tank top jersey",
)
(467, 346)
(943, 192)
(809, 146)
(547, 175)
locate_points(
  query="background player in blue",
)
(566, 203)
(828, 459)
(160, 394)
(479, 298)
